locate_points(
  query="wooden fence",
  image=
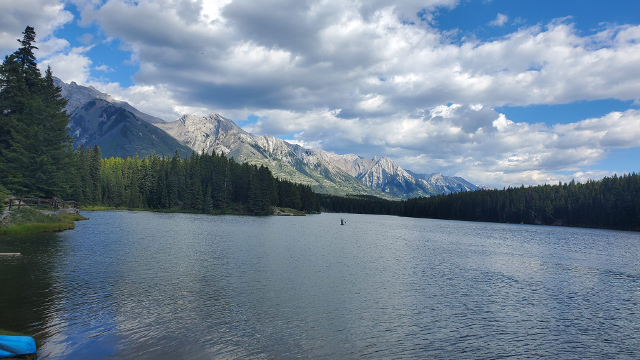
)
(54, 203)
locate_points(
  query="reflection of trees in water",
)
(27, 281)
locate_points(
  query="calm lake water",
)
(150, 285)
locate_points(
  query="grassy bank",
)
(31, 221)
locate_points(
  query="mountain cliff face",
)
(119, 133)
(446, 184)
(208, 133)
(217, 133)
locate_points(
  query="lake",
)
(133, 285)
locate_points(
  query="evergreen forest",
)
(199, 183)
(612, 203)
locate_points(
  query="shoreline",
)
(33, 221)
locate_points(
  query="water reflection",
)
(28, 283)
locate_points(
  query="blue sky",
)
(471, 18)
(498, 92)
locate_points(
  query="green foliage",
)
(4, 193)
(202, 183)
(28, 221)
(33, 228)
(612, 203)
(26, 215)
(34, 144)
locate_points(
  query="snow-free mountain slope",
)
(287, 161)
(208, 133)
(119, 133)
(78, 95)
(324, 171)
(445, 184)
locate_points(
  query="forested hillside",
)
(613, 203)
(202, 183)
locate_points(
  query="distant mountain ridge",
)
(122, 130)
(324, 171)
(216, 133)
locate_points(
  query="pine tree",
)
(35, 149)
(95, 167)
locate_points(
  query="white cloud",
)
(43, 15)
(73, 65)
(86, 38)
(104, 68)
(500, 20)
(333, 56)
(372, 102)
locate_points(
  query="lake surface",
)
(151, 285)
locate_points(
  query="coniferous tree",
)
(35, 149)
(95, 167)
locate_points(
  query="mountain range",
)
(122, 130)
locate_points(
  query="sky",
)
(499, 92)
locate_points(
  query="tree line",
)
(612, 203)
(207, 183)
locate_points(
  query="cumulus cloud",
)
(104, 68)
(72, 65)
(500, 20)
(295, 55)
(85, 38)
(44, 15)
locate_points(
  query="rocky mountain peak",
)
(78, 95)
(207, 133)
